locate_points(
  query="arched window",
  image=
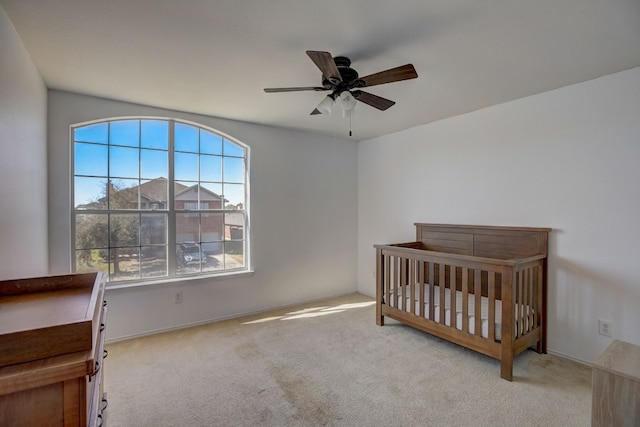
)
(158, 198)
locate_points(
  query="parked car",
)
(189, 254)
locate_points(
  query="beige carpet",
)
(327, 363)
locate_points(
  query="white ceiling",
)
(214, 57)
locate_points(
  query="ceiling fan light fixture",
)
(347, 101)
(326, 105)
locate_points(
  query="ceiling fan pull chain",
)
(349, 123)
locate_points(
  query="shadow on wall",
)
(578, 295)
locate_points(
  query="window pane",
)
(186, 167)
(215, 262)
(186, 138)
(214, 188)
(211, 229)
(188, 196)
(90, 193)
(234, 226)
(124, 194)
(155, 134)
(124, 162)
(91, 231)
(187, 227)
(125, 132)
(211, 168)
(90, 159)
(234, 195)
(153, 164)
(190, 258)
(210, 200)
(125, 263)
(91, 260)
(233, 169)
(153, 229)
(98, 133)
(233, 149)
(124, 230)
(154, 194)
(210, 143)
(153, 261)
(233, 255)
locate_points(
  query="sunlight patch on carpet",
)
(313, 312)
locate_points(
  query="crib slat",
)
(527, 313)
(421, 289)
(532, 285)
(525, 303)
(441, 300)
(534, 293)
(387, 280)
(431, 285)
(411, 300)
(491, 326)
(525, 300)
(519, 304)
(477, 291)
(403, 283)
(465, 299)
(396, 280)
(452, 294)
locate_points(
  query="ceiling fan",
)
(344, 83)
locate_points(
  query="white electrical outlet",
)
(605, 328)
(178, 299)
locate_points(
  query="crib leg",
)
(379, 316)
(506, 367)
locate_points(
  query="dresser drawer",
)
(95, 381)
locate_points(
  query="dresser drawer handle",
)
(100, 421)
(105, 353)
(104, 303)
(95, 371)
(105, 403)
(102, 327)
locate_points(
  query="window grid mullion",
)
(171, 220)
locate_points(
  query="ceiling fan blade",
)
(404, 72)
(374, 100)
(292, 89)
(324, 61)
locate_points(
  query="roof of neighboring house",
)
(195, 188)
(234, 218)
(156, 189)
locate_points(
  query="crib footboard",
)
(496, 307)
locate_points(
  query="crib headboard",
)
(483, 241)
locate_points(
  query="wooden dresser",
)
(616, 386)
(52, 332)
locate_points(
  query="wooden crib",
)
(482, 287)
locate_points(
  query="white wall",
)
(303, 222)
(23, 164)
(566, 159)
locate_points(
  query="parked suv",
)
(190, 253)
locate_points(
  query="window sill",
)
(174, 280)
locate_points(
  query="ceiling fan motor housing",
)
(349, 77)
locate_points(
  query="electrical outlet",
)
(605, 328)
(178, 298)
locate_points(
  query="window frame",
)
(170, 211)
